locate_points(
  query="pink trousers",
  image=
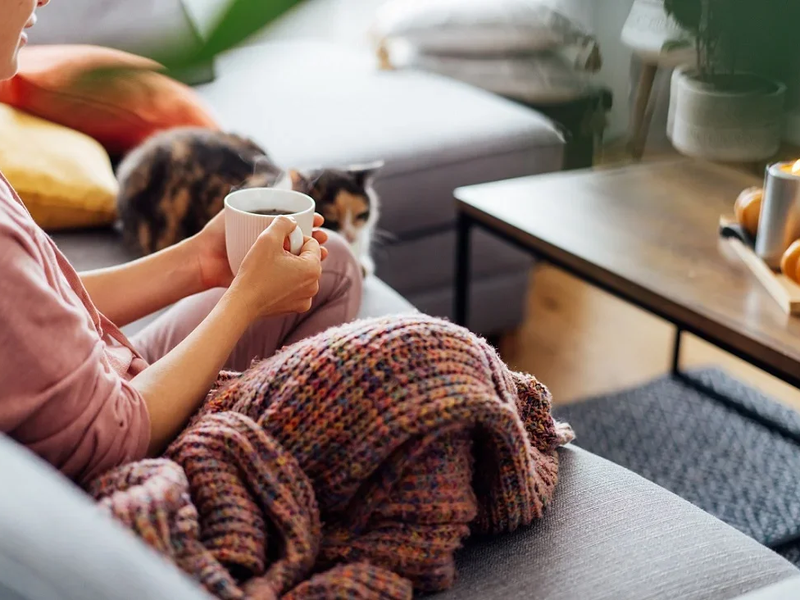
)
(337, 302)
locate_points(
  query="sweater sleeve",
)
(59, 395)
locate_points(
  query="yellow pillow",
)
(64, 177)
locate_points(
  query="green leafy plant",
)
(238, 21)
(242, 19)
(738, 36)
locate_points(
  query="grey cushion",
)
(142, 27)
(433, 260)
(612, 534)
(312, 104)
(379, 300)
(496, 303)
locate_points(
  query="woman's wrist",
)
(189, 253)
(237, 310)
(239, 303)
(125, 293)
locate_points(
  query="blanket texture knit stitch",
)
(352, 464)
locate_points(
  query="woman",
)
(75, 390)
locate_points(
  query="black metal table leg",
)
(463, 252)
(676, 352)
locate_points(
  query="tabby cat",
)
(176, 181)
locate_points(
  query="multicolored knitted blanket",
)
(352, 464)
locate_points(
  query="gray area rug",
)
(710, 439)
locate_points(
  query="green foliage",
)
(242, 19)
(239, 21)
(759, 36)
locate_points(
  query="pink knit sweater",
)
(64, 367)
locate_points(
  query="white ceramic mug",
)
(242, 226)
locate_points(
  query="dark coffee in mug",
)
(271, 212)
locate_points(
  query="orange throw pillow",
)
(120, 112)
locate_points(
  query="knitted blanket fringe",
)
(352, 464)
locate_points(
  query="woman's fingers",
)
(320, 236)
(319, 220)
(311, 249)
(280, 229)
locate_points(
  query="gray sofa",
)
(608, 534)
(314, 103)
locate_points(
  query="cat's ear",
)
(364, 174)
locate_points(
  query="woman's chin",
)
(9, 69)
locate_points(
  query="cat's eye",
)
(362, 216)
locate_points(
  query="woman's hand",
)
(271, 280)
(212, 256)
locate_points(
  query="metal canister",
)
(779, 222)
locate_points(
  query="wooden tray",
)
(785, 291)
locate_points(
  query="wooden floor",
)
(580, 341)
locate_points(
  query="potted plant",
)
(729, 106)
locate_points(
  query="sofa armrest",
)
(608, 534)
(55, 545)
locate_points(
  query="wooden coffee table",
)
(649, 235)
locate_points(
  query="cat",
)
(347, 200)
(174, 183)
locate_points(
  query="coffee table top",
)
(649, 234)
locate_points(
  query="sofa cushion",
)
(612, 534)
(147, 27)
(120, 112)
(63, 176)
(476, 27)
(497, 304)
(433, 260)
(141, 27)
(311, 104)
(380, 300)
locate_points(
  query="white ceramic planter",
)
(707, 123)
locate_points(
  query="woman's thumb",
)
(280, 228)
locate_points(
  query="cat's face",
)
(343, 196)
